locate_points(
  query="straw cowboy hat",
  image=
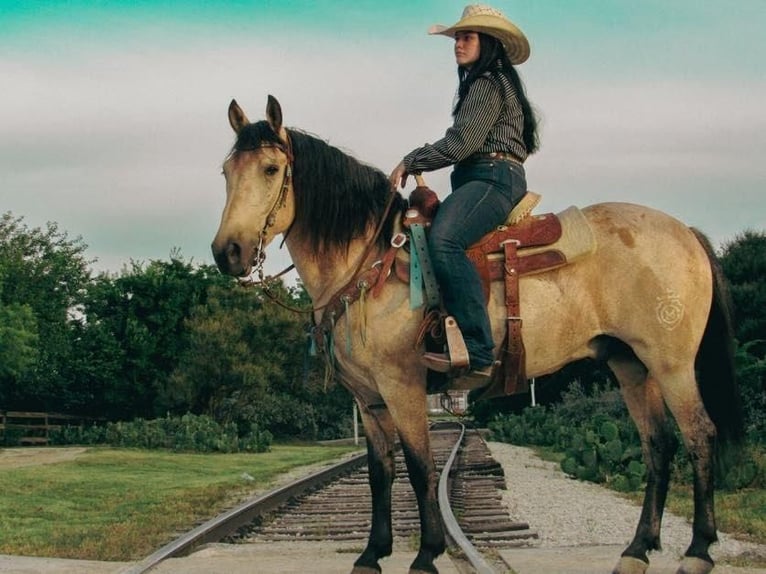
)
(481, 18)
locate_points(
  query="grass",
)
(122, 504)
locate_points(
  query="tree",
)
(43, 273)
(18, 348)
(247, 363)
(744, 263)
(134, 328)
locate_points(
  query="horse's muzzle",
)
(233, 258)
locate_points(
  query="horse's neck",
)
(325, 275)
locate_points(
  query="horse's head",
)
(259, 197)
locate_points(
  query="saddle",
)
(524, 245)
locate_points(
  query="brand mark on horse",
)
(670, 310)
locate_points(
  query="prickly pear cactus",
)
(598, 453)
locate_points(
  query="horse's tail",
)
(716, 374)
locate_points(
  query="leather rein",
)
(354, 283)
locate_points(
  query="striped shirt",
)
(489, 120)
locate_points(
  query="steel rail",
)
(473, 556)
(228, 522)
(232, 520)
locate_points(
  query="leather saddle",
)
(524, 245)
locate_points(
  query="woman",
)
(494, 131)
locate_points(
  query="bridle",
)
(279, 203)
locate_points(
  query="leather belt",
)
(493, 155)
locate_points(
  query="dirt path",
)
(33, 456)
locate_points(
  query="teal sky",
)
(114, 122)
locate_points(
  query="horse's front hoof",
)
(424, 562)
(365, 570)
(630, 565)
(694, 565)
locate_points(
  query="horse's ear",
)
(237, 117)
(274, 115)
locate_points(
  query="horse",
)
(650, 302)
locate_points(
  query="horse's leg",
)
(658, 444)
(408, 408)
(380, 434)
(699, 435)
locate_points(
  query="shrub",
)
(600, 442)
(751, 372)
(12, 436)
(602, 451)
(189, 433)
(92, 434)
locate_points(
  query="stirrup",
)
(456, 349)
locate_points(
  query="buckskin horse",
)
(649, 301)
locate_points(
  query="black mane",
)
(337, 197)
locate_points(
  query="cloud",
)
(125, 149)
(121, 142)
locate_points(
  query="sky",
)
(113, 114)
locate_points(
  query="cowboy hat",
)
(485, 19)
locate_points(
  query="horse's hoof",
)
(630, 565)
(694, 565)
(365, 570)
(419, 571)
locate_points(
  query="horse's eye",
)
(272, 170)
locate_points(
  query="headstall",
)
(279, 203)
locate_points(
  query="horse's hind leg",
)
(381, 435)
(699, 435)
(658, 444)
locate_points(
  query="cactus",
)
(601, 449)
(613, 451)
(590, 458)
(621, 483)
(609, 431)
(569, 465)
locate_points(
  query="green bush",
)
(751, 374)
(12, 436)
(600, 442)
(601, 451)
(92, 434)
(189, 433)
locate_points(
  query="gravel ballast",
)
(568, 512)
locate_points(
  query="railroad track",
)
(334, 505)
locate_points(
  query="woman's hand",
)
(398, 177)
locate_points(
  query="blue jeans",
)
(483, 194)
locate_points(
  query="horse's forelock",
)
(254, 136)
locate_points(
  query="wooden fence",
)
(34, 428)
